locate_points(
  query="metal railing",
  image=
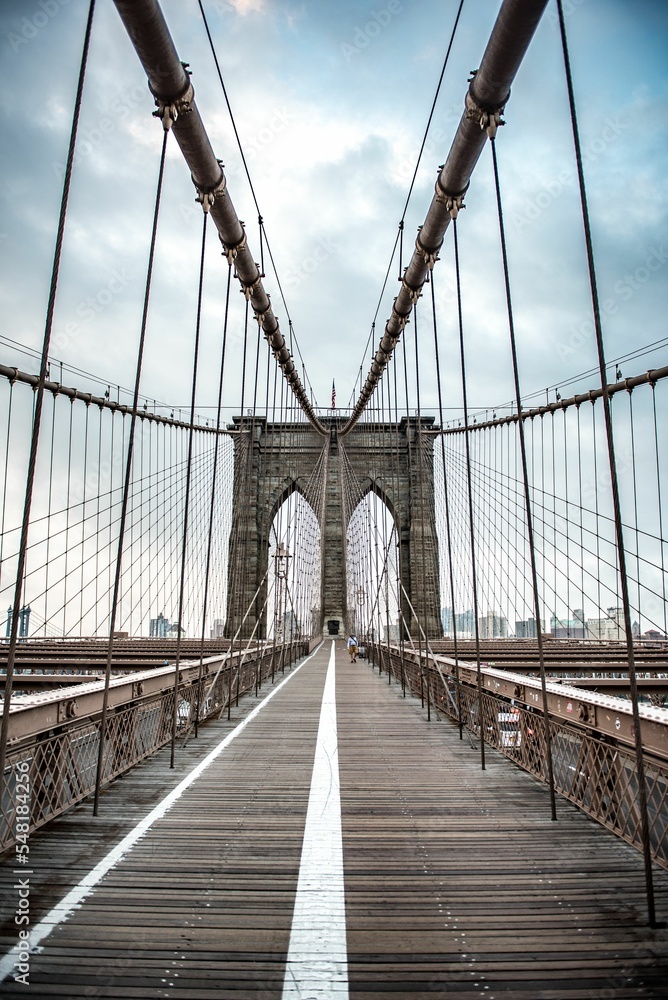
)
(592, 736)
(53, 749)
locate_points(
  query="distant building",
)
(159, 627)
(493, 626)
(464, 623)
(291, 626)
(609, 629)
(569, 628)
(391, 634)
(218, 628)
(527, 629)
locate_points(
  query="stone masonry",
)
(333, 475)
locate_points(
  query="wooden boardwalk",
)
(456, 881)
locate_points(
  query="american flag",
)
(333, 395)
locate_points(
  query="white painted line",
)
(317, 964)
(63, 910)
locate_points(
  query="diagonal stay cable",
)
(186, 509)
(263, 230)
(39, 398)
(415, 173)
(128, 475)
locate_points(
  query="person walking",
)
(352, 647)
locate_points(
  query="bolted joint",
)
(231, 251)
(169, 108)
(429, 256)
(262, 317)
(207, 196)
(453, 203)
(402, 322)
(250, 290)
(414, 294)
(487, 118)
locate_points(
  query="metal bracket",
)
(67, 710)
(207, 196)
(231, 252)
(169, 109)
(454, 203)
(414, 294)
(489, 119)
(430, 258)
(248, 292)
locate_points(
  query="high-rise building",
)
(463, 622)
(569, 628)
(493, 626)
(527, 629)
(609, 629)
(159, 627)
(218, 628)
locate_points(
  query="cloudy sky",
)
(331, 102)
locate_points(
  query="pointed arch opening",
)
(372, 570)
(294, 570)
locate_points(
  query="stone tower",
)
(395, 461)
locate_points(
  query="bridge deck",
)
(456, 880)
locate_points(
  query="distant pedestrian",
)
(352, 647)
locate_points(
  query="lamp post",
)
(360, 596)
(281, 560)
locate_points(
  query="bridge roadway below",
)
(456, 881)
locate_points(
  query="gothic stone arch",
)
(272, 460)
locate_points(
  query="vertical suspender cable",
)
(126, 483)
(6, 472)
(621, 553)
(527, 495)
(659, 499)
(214, 479)
(39, 399)
(186, 508)
(474, 581)
(448, 534)
(423, 554)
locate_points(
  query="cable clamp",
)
(169, 108)
(453, 203)
(249, 291)
(401, 320)
(488, 118)
(231, 251)
(429, 256)
(207, 196)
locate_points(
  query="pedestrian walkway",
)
(335, 847)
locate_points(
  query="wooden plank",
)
(457, 882)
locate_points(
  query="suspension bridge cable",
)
(248, 177)
(400, 229)
(214, 483)
(472, 543)
(448, 533)
(186, 511)
(128, 474)
(621, 553)
(525, 477)
(39, 398)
